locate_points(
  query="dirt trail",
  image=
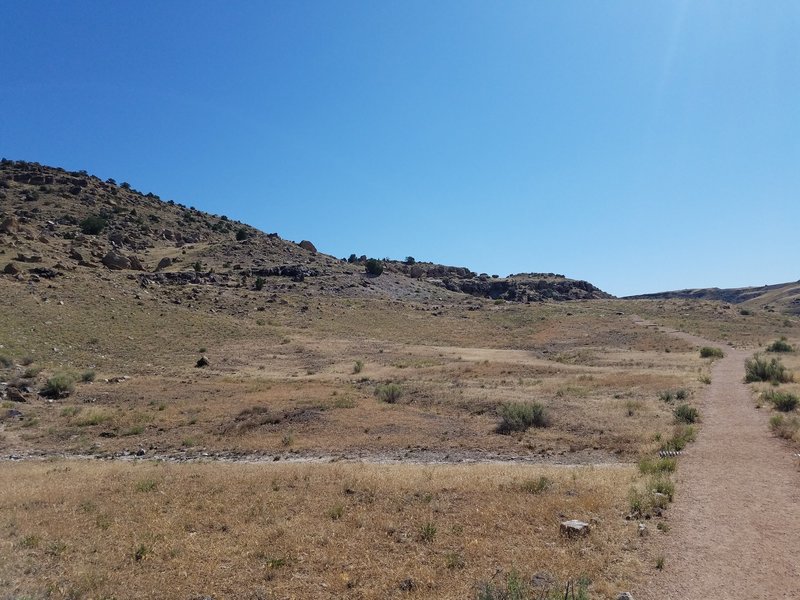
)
(736, 517)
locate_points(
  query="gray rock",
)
(203, 362)
(116, 262)
(574, 528)
(306, 245)
(11, 269)
(625, 596)
(643, 531)
(164, 263)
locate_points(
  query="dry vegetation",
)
(94, 529)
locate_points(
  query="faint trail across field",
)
(735, 523)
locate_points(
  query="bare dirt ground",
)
(736, 517)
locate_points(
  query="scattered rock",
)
(141, 452)
(13, 413)
(407, 585)
(10, 225)
(136, 264)
(203, 362)
(75, 255)
(164, 263)
(11, 269)
(625, 596)
(643, 531)
(15, 395)
(574, 528)
(33, 258)
(116, 262)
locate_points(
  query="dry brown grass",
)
(73, 529)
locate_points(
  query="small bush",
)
(87, 376)
(146, 485)
(782, 401)
(666, 396)
(686, 414)
(759, 369)
(681, 436)
(389, 392)
(521, 416)
(260, 281)
(93, 225)
(681, 394)
(6, 362)
(59, 386)
(358, 367)
(373, 267)
(663, 485)
(242, 234)
(536, 486)
(31, 372)
(427, 532)
(780, 345)
(709, 352)
(784, 427)
(654, 466)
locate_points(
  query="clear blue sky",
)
(643, 146)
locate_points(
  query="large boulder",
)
(163, 263)
(306, 245)
(11, 269)
(116, 262)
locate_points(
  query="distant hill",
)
(782, 297)
(58, 223)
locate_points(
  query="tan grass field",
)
(81, 529)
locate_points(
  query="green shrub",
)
(373, 267)
(87, 376)
(653, 466)
(520, 416)
(6, 362)
(93, 225)
(59, 386)
(389, 392)
(681, 436)
(260, 281)
(787, 428)
(427, 532)
(709, 352)
(666, 396)
(759, 369)
(686, 414)
(681, 394)
(358, 367)
(782, 401)
(242, 234)
(780, 345)
(536, 486)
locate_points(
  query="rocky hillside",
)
(55, 223)
(782, 297)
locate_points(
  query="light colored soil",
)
(736, 518)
